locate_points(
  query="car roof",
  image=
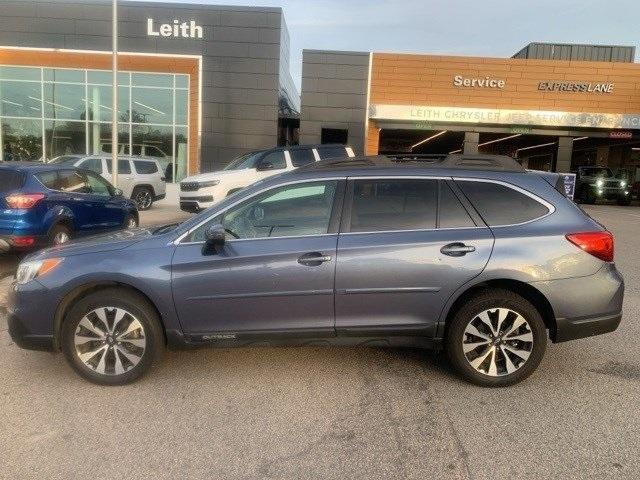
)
(121, 157)
(30, 166)
(404, 162)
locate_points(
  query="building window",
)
(334, 135)
(48, 112)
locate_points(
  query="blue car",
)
(45, 204)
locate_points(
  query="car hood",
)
(219, 175)
(95, 244)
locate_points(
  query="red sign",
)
(620, 134)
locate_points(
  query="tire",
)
(624, 201)
(59, 234)
(136, 350)
(497, 302)
(131, 221)
(143, 196)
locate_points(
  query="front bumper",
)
(30, 316)
(196, 203)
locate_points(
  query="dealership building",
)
(552, 106)
(201, 84)
(198, 84)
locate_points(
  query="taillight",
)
(23, 200)
(598, 244)
(24, 241)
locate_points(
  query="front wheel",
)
(496, 339)
(59, 235)
(130, 222)
(112, 336)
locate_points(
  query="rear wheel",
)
(112, 336)
(59, 234)
(496, 339)
(130, 222)
(143, 196)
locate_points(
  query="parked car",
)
(141, 179)
(201, 191)
(470, 253)
(45, 204)
(594, 183)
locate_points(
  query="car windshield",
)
(598, 172)
(247, 160)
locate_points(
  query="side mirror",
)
(117, 192)
(214, 239)
(265, 166)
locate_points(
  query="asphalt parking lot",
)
(333, 412)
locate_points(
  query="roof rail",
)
(462, 161)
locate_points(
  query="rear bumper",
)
(574, 328)
(12, 243)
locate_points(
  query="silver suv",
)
(140, 178)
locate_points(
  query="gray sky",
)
(458, 27)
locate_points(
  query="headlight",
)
(599, 182)
(27, 271)
(210, 183)
(623, 183)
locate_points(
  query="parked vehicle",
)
(201, 191)
(470, 253)
(44, 204)
(141, 179)
(594, 183)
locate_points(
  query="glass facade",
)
(48, 112)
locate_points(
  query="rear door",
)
(107, 209)
(405, 246)
(126, 180)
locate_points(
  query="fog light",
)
(626, 192)
(599, 192)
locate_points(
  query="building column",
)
(565, 150)
(372, 142)
(470, 145)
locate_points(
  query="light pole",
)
(114, 106)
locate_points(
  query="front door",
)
(274, 275)
(400, 257)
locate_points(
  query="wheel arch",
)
(525, 290)
(143, 185)
(68, 300)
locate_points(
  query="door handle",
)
(457, 249)
(313, 259)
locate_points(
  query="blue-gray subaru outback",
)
(471, 253)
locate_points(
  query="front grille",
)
(189, 186)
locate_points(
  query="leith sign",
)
(176, 29)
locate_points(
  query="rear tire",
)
(496, 339)
(112, 336)
(59, 234)
(130, 221)
(143, 196)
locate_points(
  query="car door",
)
(406, 245)
(73, 193)
(275, 274)
(126, 180)
(108, 210)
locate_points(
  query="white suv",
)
(201, 191)
(140, 178)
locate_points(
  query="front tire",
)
(130, 221)
(112, 336)
(496, 339)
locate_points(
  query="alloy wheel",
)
(497, 342)
(110, 340)
(132, 223)
(143, 199)
(60, 237)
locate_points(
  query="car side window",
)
(276, 159)
(452, 213)
(287, 211)
(93, 164)
(49, 179)
(72, 181)
(144, 167)
(394, 204)
(98, 186)
(501, 205)
(301, 156)
(124, 167)
(332, 152)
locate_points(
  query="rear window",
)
(10, 180)
(301, 157)
(49, 180)
(145, 168)
(501, 205)
(332, 152)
